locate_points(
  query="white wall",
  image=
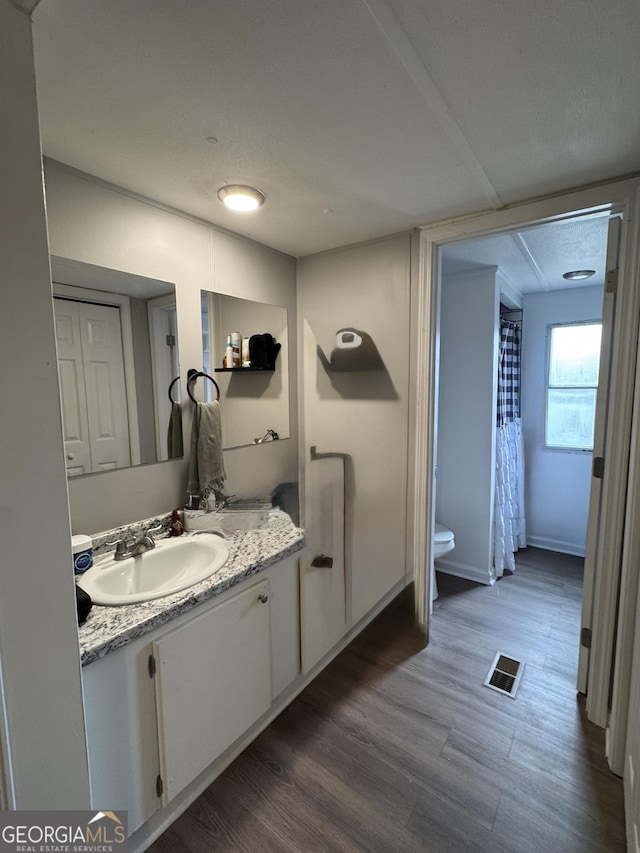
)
(557, 483)
(362, 414)
(95, 223)
(465, 483)
(39, 659)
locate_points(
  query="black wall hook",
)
(192, 376)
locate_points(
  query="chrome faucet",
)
(270, 435)
(124, 550)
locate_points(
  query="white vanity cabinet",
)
(213, 681)
(162, 709)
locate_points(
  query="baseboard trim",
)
(558, 545)
(462, 570)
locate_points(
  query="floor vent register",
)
(504, 675)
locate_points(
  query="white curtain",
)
(509, 521)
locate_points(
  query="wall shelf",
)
(244, 370)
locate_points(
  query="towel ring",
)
(192, 376)
(173, 382)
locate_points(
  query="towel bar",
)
(192, 376)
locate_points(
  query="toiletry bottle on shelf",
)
(176, 527)
(229, 352)
(236, 347)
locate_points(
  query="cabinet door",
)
(284, 606)
(322, 570)
(122, 737)
(213, 682)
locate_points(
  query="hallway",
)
(395, 747)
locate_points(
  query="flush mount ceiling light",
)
(578, 275)
(240, 198)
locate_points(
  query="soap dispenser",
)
(176, 527)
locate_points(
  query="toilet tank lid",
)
(442, 534)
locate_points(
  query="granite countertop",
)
(250, 551)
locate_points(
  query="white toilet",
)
(443, 542)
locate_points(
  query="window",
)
(574, 360)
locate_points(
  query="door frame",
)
(623, 197)
(628, 612)
(594, 542)
(162, 373)
(7, 792)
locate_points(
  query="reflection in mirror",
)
(252, 402)
(117, 358)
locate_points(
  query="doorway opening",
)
(600, 624)
(524, 477)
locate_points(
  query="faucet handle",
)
(119, 544)
(152, 530)
(121, 547)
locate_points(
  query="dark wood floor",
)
(396, 747)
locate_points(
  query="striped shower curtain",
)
(509, 522)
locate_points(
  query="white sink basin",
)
(173, 565)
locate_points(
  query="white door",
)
(75, 424)
(94, 399)
(101, 337)
(594, 545)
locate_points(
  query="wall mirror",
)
(252, 401)
(117, 360)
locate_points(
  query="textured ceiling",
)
(535, 260)
(355, 119)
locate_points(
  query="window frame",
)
(559, 448)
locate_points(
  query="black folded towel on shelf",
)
(263, 351)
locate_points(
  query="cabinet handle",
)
(322, 562)
(263, 597)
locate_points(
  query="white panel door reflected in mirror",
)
(252, 401)
(117, 359)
